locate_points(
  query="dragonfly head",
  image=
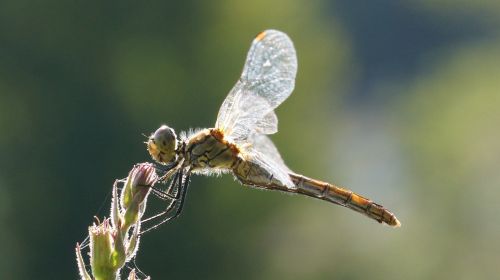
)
(162, 145)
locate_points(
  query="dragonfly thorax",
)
(162, 145)
(207, 151)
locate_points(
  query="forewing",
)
(268, 78)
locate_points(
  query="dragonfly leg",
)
(183, 181)
(185, 184)
(168, 169)
(167, 194)
(164, 168)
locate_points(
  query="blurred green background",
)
(397, 100)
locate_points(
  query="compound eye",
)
(162, 144)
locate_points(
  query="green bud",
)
(139, 179)
(102, 250)
(112, 243)
(135, 192)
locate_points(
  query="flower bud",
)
(139, 179)
(113, 242)
(136, 190)
(103, 256)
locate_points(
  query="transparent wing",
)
(265, 154)
(265, 146)
(268, 78)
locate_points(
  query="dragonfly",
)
(239, 145)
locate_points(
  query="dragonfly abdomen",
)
(344, 197)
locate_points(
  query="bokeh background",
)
(397, 100)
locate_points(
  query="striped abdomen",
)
(346, 198)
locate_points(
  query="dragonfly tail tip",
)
(396, 223)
